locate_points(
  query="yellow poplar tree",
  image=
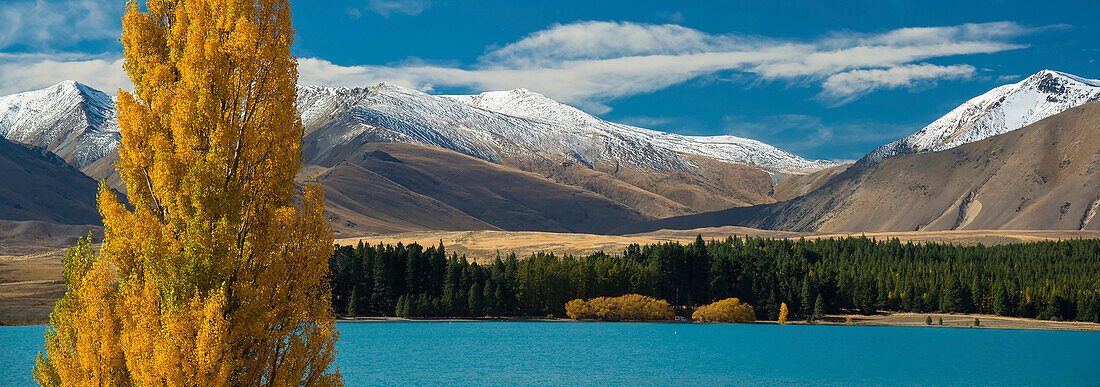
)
(214, 273)
(783, 313)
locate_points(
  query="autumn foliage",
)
(631, 307)
(213, 274)
(729, 310)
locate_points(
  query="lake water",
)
(576, 353)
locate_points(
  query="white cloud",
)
(591, 63)
(58, 23)
(390, 7)
(604, 40)
(851, 84)
(42, 30)
(29, 72)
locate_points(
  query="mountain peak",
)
(1048, 74)
(1001, 110)
(388, 85)
(68, 84)
(73, 120)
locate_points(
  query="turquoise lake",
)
(583, 353)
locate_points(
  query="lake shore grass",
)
(954, 320)
(950, 320)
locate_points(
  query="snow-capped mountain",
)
(501, 125)
(527, 104)
(78, 123)
(72, 120)
(1001, 110)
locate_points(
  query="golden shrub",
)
(631, 307)
(728, 310)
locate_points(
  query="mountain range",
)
(392, 159)
(1045, 176)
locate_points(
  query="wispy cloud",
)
(591, 63)
(849, 85)
(37, 38)
(405, 7)
(33, 71)
(52, 24)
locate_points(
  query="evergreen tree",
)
(819, 307)
(411, 307)
(952, 297)
(501, 300)
(488, 298)
(358, 305)
(475, 301)
(1002, 306)
(379, 302)
(1053, 309)
(399, 309)
(806, 298)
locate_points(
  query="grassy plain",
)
(484, 245)
(30, 279)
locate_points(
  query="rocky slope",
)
(1045, 176)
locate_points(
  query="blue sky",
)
(820, 79)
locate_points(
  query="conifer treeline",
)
(1047, 280)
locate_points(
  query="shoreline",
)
(899, 319)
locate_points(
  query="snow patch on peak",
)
(527, 104)
(1058, 74)
(70, 119)
(1001, 110)
(77, 123)
(530, 105)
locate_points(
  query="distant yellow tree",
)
(783, 313)
(213, 275)
(727, 310)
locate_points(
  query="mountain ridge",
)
(1001, 182)
(1000, 110)
(619, 173)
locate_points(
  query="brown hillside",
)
(360, 201)
(793, 186)
(1045, 176)
(40, 186)
(425, 188)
